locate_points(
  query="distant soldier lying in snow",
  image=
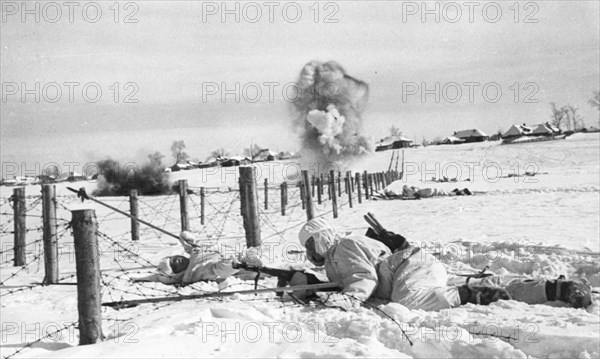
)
(204, 264)
(417, 193)
(366, 268)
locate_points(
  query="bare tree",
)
(558, 116)
(177, 149)
(253, 151)
(155, 159)
(572, 117)
(219, 152)
(395, 131)
(595, 102)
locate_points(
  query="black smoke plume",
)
(328, 114)
(118, 179)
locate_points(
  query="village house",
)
(392, 142)
(473, 135)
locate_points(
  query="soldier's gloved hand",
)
(252, 257)
(338, 300)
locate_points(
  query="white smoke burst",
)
(328, 114)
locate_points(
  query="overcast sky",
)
(177, 48)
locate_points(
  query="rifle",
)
(284, 276)
(135, 302)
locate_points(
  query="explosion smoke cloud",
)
(149, 179)
(328, 114)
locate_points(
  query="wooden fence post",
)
(358, 189)
(329, 184)
(371, 184)
(319, 190)
(312, 186)
(183, 205)
(321, 184)
(87, 262)
(266, 193)
(366, 183)
(349, 175)
(339, 184)
(20, 226)
(310, 210)
(49, 236)
(133, 210)
(283, 197)
(333, 194)
(302, 194)
(249, 206)
(202, 205)
(347, 180)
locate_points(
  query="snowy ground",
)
(540, 226)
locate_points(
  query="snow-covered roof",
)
(391, 139)
(517, 130)
(470, 133)
(542, 129)
(451, 139)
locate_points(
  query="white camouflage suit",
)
(365, 267)
(206, 264)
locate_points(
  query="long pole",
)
(81, 193)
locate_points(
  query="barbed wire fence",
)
(214, 214)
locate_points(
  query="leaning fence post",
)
(49, 236)
(310, 210)
(302, 194)
(339, 184)
(183, 205)
(87, 262)
(133, 210)
(358, 189)
(333, 194)
(249, 206)
(20, 226)
(266, 193)
(283, 199)
(371, 184)
(202, 205)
